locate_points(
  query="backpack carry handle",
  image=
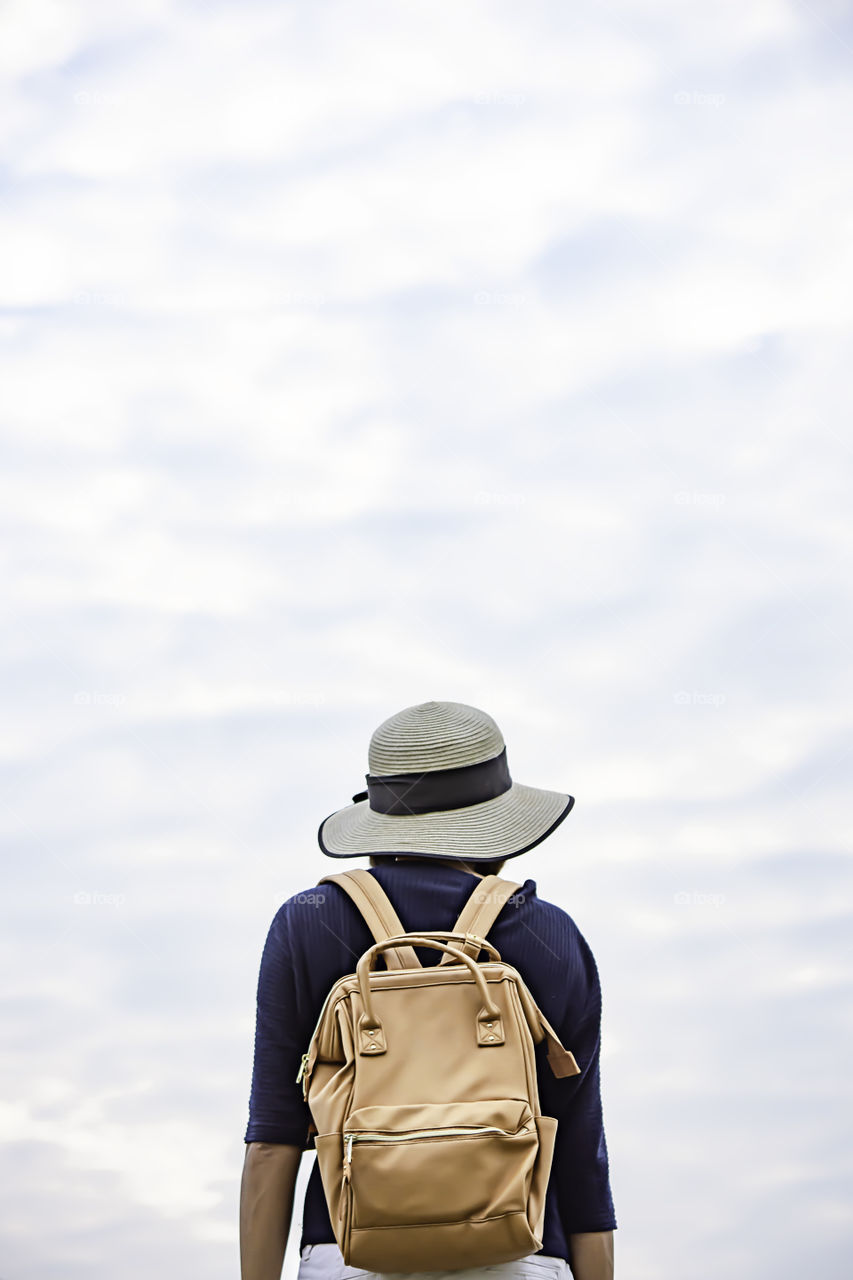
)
(451, 935)
(369, 1021)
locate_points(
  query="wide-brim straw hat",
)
(439, 784)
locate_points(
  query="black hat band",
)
(399, 794)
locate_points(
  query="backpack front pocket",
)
(438, 1162)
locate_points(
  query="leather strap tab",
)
(480, 912)
(561, 1060)
(379, 915)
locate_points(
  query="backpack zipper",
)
(409, 1135)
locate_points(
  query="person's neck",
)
(453, 862)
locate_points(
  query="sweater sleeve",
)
(580, 1166)
(277, 1111)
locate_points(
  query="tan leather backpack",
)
(421, 1082)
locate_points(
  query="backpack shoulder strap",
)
(480, 912)
(379, 915)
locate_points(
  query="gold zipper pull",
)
(347, 1156)
(303, 1066)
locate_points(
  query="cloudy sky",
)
(359, 354)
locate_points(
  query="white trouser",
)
(325, 1262)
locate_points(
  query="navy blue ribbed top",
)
(317, 936)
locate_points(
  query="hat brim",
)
(504, 827)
